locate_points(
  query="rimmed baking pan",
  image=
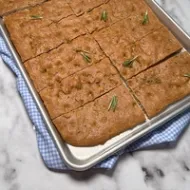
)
(83, 158)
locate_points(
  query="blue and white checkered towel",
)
(165, 134)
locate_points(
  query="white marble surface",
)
(21, 167)
(179, 10)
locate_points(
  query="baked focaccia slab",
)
(9, 6)
(80, 88)
(63, 61)
(43, 28)
(163, 84)
(148, 50)
(82, 54)
(94, 124)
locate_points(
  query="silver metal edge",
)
(136, 133)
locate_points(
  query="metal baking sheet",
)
(83, 158)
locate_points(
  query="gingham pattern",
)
(166, 134)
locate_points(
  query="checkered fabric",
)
(169, 133)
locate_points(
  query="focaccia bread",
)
(101, 67)
(148, 51)
(8, 6)
(63, 61)
(45, 32)
(117, 10)
(94, 124)
(80, 88)
(80, 6)
(163, 84)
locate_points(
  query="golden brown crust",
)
(81, 6)
(150, 50)
(76, 91)
(57, 26)
(14, 5)
(63, 61)
(93, 124)
(163, 84)
(115, 9)
(126, 31)
(80, 88)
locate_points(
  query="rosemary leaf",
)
(84, 51)
(104, 16)
(187, 75)
(86, 57)
(36, 17)
(113, 104)
(145, 18)
(129, 62)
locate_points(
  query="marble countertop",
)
(21, 167)
(179, 11)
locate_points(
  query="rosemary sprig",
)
(84, 54)
(145, 18)
(79, 51)
(113, 104)
(86, 57)
(187, 75)
(129, 62)
(36, 17)
(104, 16)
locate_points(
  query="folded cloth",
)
(165, 134)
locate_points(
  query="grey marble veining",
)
(179, 10)
(21, 167)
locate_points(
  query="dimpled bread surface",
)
(93, 124)
(62, 61)
(163, 84)
(80, 88)
(7, 6)
(75, 53)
